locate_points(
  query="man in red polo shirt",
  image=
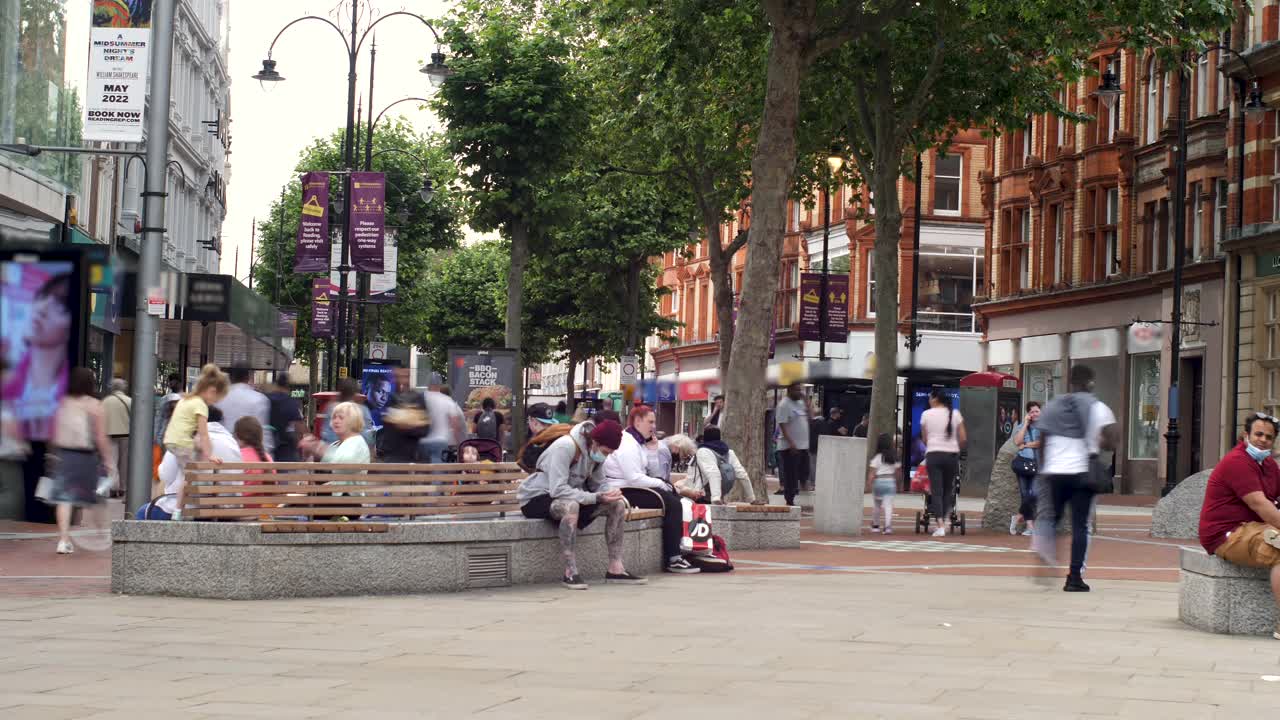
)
(1240, 519)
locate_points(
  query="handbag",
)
(920, 480)
(1023, 465)
(1100, 480)
(44, 488)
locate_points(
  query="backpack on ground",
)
(696, 538)
(717, 562)
(527, 459)
(487, 425)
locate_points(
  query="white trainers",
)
(940, 532)
(1013, 525)
(875, 529)
(65, 547)
(1028, 532)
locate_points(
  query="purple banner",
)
(367, 223)
(837, 329)
(321, 308)
(312, 253)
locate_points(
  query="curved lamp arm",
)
(374, 24)
(326, 21)
(401, 100)
(421, 161)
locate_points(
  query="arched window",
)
(1153, 102)
(1166, 95)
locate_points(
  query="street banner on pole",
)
(382, 286)
(837, 329)
(118, 65)
(321, 308)
(365, 228)
(312, 252)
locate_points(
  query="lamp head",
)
(437, 71)
(1255, 105)
(268, 75)
(428, 190)
(835, 161)
(1109, 91)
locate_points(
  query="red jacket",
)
(1235, 476)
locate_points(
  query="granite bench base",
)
(1217, 596)
(237, 561)
(746, 529)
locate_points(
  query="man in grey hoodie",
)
(565, 489)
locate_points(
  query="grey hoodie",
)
(559, 476)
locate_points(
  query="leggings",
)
(944, 469)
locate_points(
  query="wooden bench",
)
(288, 492)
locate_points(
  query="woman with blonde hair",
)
(347, 422)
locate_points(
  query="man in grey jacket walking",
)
(565, 489)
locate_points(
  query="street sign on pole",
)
(377, 351)
(628, 370)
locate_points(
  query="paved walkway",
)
(740, 646)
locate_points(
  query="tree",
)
(513, 113)
(425, 227)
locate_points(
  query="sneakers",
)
(1075, 583)
(624, 578)
(1276, 634)
(680, 566)
(1013, 525)
(574, 582)
(1028, 532)
(940, 532)
(65, 547)
(888, 531)
(1271, 536)
(875, 529)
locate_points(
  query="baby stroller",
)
(489, 450)
(925, 517)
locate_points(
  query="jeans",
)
(672, 515)
(795, 467)
(1026, 485)
(432, 449)
(944, 471)
(1064, 489)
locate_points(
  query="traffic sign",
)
(628, 370)
(377, 351)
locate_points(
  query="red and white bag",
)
(697, 537)
(920, 480)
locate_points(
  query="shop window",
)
(1040, 381)
(1144, 407)
(949, 278)
(946, 184)
(1271, 352)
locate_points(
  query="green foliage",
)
(427, 226)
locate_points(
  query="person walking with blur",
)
(1026, 436)
(244, 399)
(80, 451)
(943, 432)
(884, 472)
(287, 427)
(792, 420)
(117, 408)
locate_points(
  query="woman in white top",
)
(81, 453)
(627, 469)
(943, 432)
(706, 481)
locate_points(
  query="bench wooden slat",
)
(278, 488)
(304, 500)
(323, 527)
(202, 478)
(195, 513)
(761, 508)
(643, 513)
(380, 467)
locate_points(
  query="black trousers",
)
(1073, 489)
(795, 469)
(944, 471)
(672, 515)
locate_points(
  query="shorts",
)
(1245, 546)
(540, 508)
(884, 487)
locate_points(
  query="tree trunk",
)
(515, 305)
(772, 168)
(722, 286)
(569, 381)
(884, 389)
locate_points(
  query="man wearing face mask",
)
(567, 488)
(1239, 521)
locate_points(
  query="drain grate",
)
(488, 567)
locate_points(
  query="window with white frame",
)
(1024, 253)
(1221, 194)
(1168, 234)
(1166, 96)
(1275, 167)
(1026, 138)
(1062, 122)
(1202, 85)
(946, 184)
(1111, 245)
(1059, 249)
(1224, 95)
(1197, 221)
(871, 284)
(1271, 352)
(949, 279)
(1153, 103)
(1113, 121)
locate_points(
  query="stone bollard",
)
(1177, 515)
(841, 481)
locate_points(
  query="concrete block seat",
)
(756, 527)
(1217, 596)
(414, 528)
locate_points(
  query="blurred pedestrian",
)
(884, 472)
(943, 432)
(81, 451)
(117, 407)
(244, 399)
(717, 407)
(286, 427)
(448, 425)
(792, 420)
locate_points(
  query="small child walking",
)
(883, 475)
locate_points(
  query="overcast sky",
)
(271, 127)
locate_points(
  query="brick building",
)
(1080, 247)
(952, 272)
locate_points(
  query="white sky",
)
(271, 128)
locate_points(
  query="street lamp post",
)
(835, 161)
(913, 340)
(352, 41)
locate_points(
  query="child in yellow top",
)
(187, 435)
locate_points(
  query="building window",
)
(946, 184)
(1113, 121)
(1275, 168)
(1063, 99)
(1040, 381)
(1024, 253)
(1224, 96)
(1165, 97)
(1271, 352)
(1202, 85)
(1197, 221)
(1220, 197)
(1166, 234)
(949, 278)
(1153, 102)
(1055, 241)
(1144, 406)
(1026, 138)
(871, 284)
(1110, 232)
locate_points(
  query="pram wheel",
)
(961, 524)
(922, 523)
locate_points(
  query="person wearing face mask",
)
(627, 471)
(1240, 519)
(567, 489)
